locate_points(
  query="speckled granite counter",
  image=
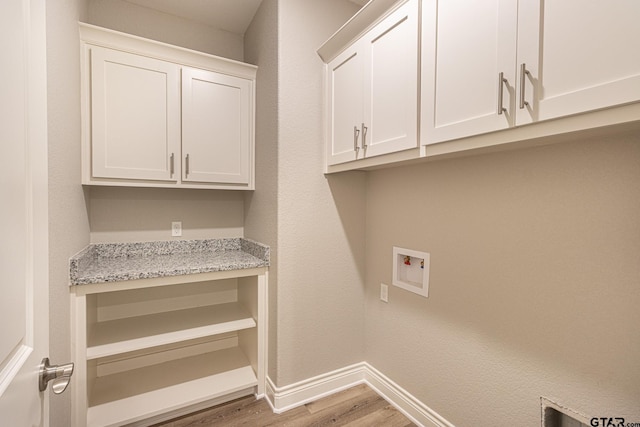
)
(117, 262)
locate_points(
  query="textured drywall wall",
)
(261, 205)
(131, 18)
(145, 214)
(68, 222)
(534, 285)
(320, 287)
(312, 224)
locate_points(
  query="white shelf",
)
(139, 394)
(167, 351)
(130, 334)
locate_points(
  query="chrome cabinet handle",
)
(186, 166)
(356, 133)
(523, 72)
(60, 374)
(364, 136)
(501, 82)
(172, 166)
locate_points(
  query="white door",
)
(345, 99)
(466, 45)
(391, 84)
(216, 127)
(135, 116)
(23, 215)
(581, 55)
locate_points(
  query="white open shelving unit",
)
(152, 349)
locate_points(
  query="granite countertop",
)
(117, 262)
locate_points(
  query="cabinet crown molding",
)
(368, 16)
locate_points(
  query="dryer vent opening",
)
(554, 415)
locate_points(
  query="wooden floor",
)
(356, 407)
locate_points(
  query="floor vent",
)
(554, 415)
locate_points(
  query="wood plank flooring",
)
(358, 406)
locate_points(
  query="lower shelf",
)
(135, 395)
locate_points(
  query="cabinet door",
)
(391, 83)
(217, 134)
(582, 55)
(466, 45)
(135, 116)
(345, 102)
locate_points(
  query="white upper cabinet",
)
(216, 124)
(372, 90)
(505, 63)
(579, 56)
(346, 105)
(471, 45)
(156, 115)
(135, 111)
(391, 84)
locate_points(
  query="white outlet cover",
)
(176, 228)
(384, 292)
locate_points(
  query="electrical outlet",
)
(384, 292)
(176, 228)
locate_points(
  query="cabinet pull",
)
(356, 133)
(364, 136)
(186, 166)
(172, 165)
(501, 82)
(523, 72)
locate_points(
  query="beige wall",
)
(261, 205)
(131, 18)
(312, 223)
(145, 214)
(320, 227)
(534, 285)
(68, 222)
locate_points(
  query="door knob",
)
(60, 374)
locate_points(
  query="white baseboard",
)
(282, 399)
(405, 402)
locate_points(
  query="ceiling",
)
(229, 15)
